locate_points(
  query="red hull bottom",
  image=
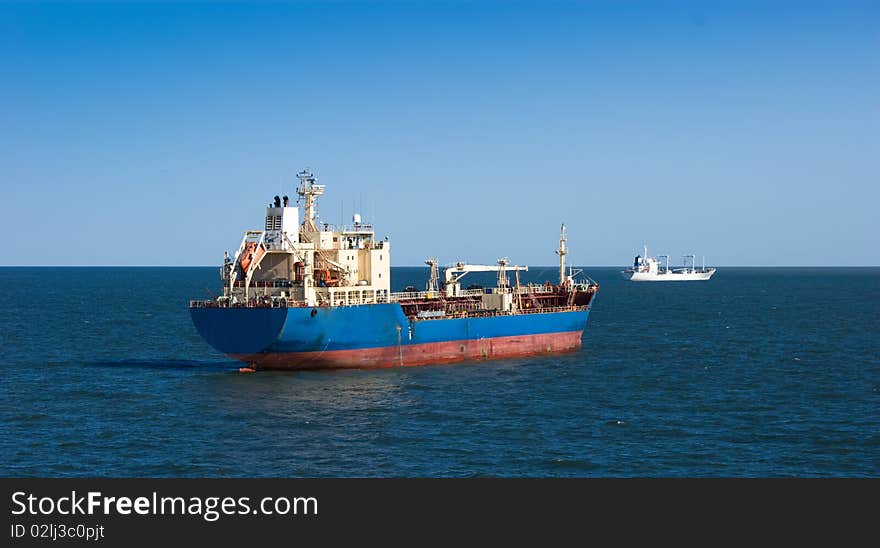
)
(419, 354)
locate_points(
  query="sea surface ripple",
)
(758, 372)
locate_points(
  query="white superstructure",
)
(651, 269)
(307, 261)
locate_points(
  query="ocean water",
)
(758, 372)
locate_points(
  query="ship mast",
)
(434, 282)
(310, 191)
(502, 273)
(562, 252)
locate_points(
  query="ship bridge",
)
(297, 259)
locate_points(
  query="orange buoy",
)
(246, 370)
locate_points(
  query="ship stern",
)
(239, 331)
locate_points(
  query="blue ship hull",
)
(379, 335)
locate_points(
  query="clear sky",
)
(154, 134)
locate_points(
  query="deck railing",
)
(478, 313)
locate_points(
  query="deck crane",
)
(454, 274)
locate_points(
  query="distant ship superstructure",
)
(312, 295)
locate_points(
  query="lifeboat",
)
(251, 254)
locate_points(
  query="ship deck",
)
(433, 305)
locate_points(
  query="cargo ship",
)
(301, 294)
(650, 269)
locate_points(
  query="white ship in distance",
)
(652, 269)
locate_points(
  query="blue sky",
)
(154, 134)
